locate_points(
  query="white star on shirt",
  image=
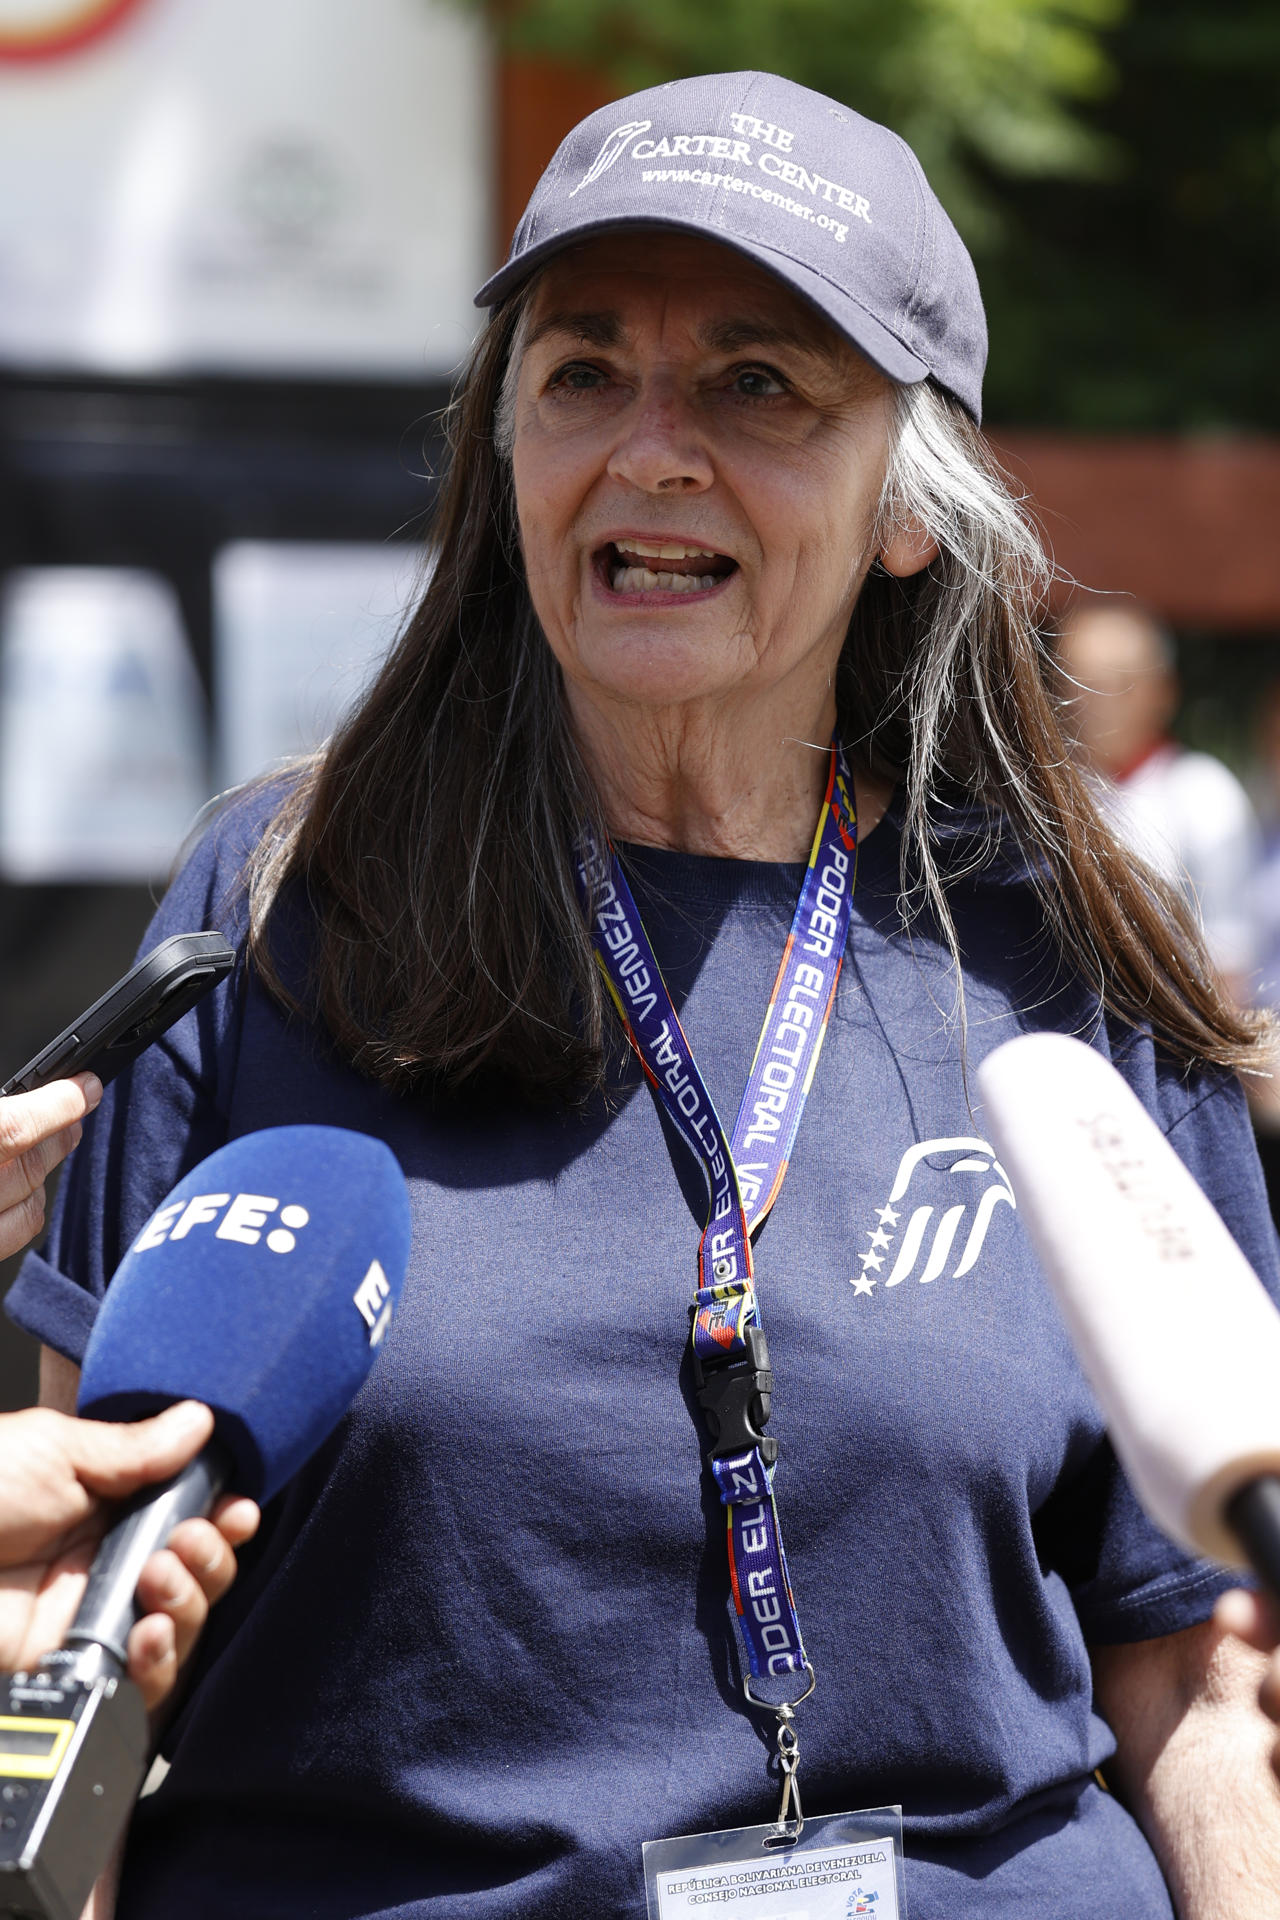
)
(887, 1217)
(872, 1260)
(879, 1238)
(861, 1284)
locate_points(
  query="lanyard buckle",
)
(736, 1399)
(786, 1831)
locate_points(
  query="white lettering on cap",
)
(614, 146)
(762, 130)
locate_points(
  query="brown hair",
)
(434, 834)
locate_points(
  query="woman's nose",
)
(662, 447)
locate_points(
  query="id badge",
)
(842, 1865)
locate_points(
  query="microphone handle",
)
(1253, 1515)
(109, 1607)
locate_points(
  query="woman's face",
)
(698, 461)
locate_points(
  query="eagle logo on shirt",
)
(919, 1239)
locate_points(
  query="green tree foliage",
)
(1114, 165)
(977, 86)
(1150, 301)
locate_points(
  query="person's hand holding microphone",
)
(59, 1475)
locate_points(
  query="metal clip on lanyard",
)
(732, 1374)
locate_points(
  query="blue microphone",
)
(264, 1285)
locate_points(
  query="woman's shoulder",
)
(211, 877)
(965, 859)
(1176, 1092)
(970, 844)
(1202, 1111)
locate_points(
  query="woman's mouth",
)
(666, 566)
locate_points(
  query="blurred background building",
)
(238, 242)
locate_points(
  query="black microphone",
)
(262, 1286)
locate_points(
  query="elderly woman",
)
(726, 587)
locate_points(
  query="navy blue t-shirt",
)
(483, 1646)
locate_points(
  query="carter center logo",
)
(908, 1242)
(613, 149)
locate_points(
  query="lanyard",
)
(744, 1176)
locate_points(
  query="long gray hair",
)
(433, 836)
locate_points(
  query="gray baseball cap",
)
(834, 204)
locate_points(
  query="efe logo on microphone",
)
(242, 1217)
(372, 1297)
(245, 1216)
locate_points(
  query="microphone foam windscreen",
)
(1172, 1326)
(263, 1285)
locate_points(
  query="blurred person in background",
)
(1266, 741)
(1185, 813)
(728, 588)
(1264, 1092)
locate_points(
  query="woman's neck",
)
(738, 786)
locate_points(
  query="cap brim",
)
(838, 308)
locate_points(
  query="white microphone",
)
(1175, 1331)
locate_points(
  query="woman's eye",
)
(758, 382)
(578, 377)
